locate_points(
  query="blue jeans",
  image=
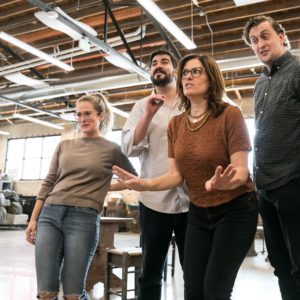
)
(217, 241)
(280, 212)
(66, 236)
(157, 229)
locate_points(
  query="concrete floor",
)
(255, 280)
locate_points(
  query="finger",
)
(228, 170)
(232, 173)
(218, 172)
(122, 173)
(208, 185)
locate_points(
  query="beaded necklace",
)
(204, 119)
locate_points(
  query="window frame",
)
(41, 159)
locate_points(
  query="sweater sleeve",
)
(237, 132)
(123, 162)
(51, 177)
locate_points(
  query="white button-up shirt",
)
(153, 154)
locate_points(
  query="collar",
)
(278, 63)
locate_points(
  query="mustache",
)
(159, 70)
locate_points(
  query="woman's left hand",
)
(222, 180)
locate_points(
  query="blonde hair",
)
(100, 104)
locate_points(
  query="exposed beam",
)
(18, 103)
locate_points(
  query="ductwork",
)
(107, 83)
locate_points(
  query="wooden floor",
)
(255, 280)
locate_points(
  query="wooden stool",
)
(122, 258)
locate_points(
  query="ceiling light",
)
(246, 2)
(50, 19)
(123, 64)
(120, 112)
(166, 22)
(38, 121)
(8, 38)
(22, 79)
(4, 132)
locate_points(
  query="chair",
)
(122, 258)
(172, 264)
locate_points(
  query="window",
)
(115, 136)
(30, 158)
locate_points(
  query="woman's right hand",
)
(31, 232)
(129, 180)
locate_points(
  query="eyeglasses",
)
(195, 72)
(86, 115)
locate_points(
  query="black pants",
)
(280, 212)
(217, 241)
(157, 229)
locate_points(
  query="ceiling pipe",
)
(93, 40)
(100, 84)
(73, 52)
(17, 103)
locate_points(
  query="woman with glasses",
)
(208, 148)
(64, 225)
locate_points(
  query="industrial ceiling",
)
(111, 54)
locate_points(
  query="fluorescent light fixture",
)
(116, 61)
(246, 2)
(50, 19)
(68, 117)
(120, 112)
(4, 132)
(166, 22)
(38, 121)
(22, 79)
(10, 39)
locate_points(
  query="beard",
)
(161, 81)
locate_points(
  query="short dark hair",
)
(216, 90)
(164, 52)
(253, 22)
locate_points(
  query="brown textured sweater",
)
(81, 171)
(198, 153)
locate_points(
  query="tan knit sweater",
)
(81, 171)
(198, 153)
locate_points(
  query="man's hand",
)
(154, 102)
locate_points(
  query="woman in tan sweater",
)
(208, 148)
(65, 222)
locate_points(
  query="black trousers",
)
(157, 229)
(217, 241)
(280, 212)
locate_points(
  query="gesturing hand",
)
(129, 180)
(154, 102)
(221, 180)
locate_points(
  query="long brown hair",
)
(216, 89)
(100, 104)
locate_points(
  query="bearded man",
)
(163, 213)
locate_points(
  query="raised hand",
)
(129, 180)
(154, 102)
(222, 180)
